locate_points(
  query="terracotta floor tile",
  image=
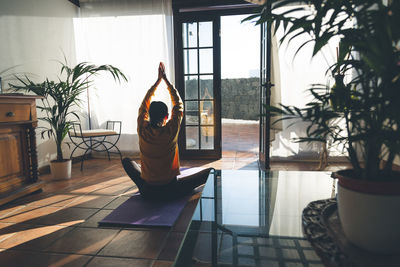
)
(222, 165)
(19, 258)
(34, 237)
(246, 154)
(116, 202)
(112, 190)
(117, 262)
(94, 219)
(194, 163)
(117, 181)
(66, 216)
(228, 154)
(91, 201)
(59, 200)
(252, 159)
(136, 244)
(5, 225)
(83, 241)
(9, 230)
(9, 209)
(29, 214)
(224, 160)
(171, 246)
(84, 189)
(55, 186)
(242, 165)
(31, 198)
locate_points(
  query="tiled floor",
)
(239, 136)
(58, 226)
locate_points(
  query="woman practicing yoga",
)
(159, 155)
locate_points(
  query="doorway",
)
(198, 79)
(240, 73)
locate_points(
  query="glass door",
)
(265, 93)
(199, 86)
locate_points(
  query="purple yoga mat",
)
(137, 211)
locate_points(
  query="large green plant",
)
(368, 103)
(60, 96)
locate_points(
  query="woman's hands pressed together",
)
(162, 75)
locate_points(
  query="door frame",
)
(180, 84)
(265, 96)
(191, 12)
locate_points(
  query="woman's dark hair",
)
(157, 111)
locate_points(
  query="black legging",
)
(175, 189)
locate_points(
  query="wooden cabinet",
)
(18, 158)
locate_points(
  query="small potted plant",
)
(367, 102)
(59, 98)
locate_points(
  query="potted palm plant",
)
(59, 98)
(365, 97)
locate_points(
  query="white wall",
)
(33, 35)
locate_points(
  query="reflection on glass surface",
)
(205, 213)
(189, 34)
(192, 113)
(271, 200)
(205, 34)
(192, 137)
(190, 61)
(242, 208)
(294, 191)
(191, 87)
(206, 87)
(207, 137)
(207, 112)
(250, 209)
(206, 60)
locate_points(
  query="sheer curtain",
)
(297, 74)
(133, 36)
(276, 94)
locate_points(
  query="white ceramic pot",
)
(61, 170)
(370, 220)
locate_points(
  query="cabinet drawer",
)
(15, 112)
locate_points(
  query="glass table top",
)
(253, 218)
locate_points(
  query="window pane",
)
(206, 60)
(190, 61)
(192, 137)
(207, 137)
(192, 113)
(206, 87)
(205, 34)
(189, 34)
(191, 87)
(207, 112)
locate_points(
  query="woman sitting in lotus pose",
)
(159, 155)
